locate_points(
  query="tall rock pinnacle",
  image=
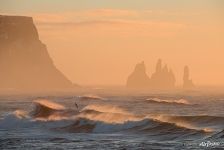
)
(187, 82)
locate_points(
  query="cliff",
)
(24, 59)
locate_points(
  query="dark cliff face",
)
(24, 59)
(13, 28)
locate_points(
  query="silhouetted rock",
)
(138, 78)
(187, 82)
(24, 59)
(163, 78)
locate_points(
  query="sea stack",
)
(24, 59)
(138, 78)
(187, 82)
(162, 78)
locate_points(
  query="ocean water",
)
(112, 122)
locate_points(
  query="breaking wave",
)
(109, 119)
(179, 101)
(91, 97)
(107, 113)
(47, 110)
(203, 122)
(144, 126)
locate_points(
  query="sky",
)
(98, 42)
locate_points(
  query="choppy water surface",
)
(111, 122)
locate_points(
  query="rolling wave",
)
(91, 97)
(161, 130)
(163, 101)
(110, 119)
(202, 122)
(107, 113)
(47, 110)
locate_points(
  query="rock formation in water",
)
(24, 59)
(138, 78)
(187, 82)
(163, 78)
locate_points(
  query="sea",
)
(108, 121)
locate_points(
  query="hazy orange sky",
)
(100, 41)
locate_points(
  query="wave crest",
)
(179, 101)
(47, 110)
(91, 97)
(109, 119)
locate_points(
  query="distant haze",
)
(99, 43)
